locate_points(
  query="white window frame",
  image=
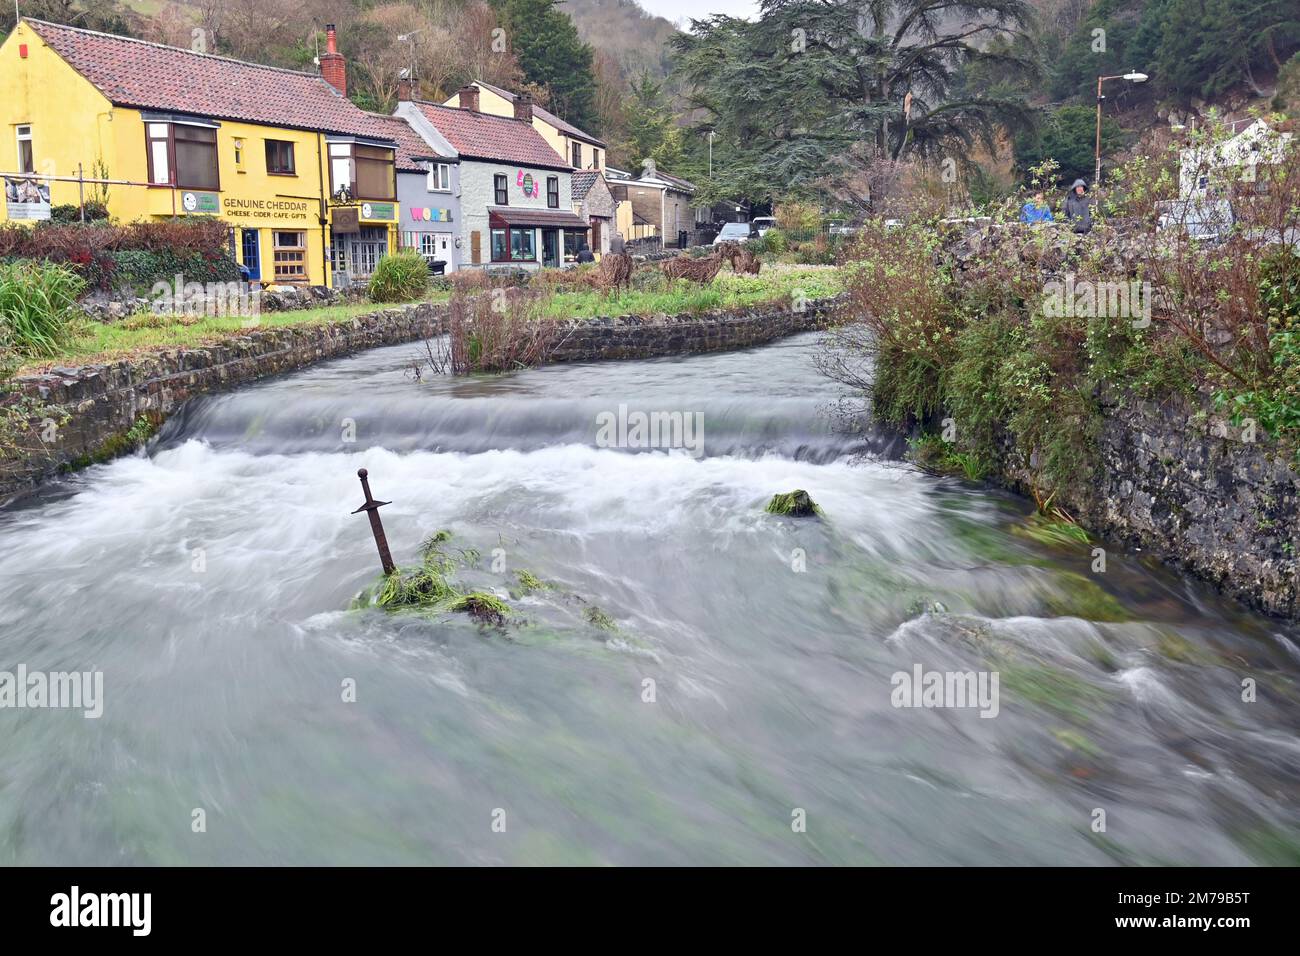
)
(160, 135)
(438, 178)
(342, 172)
(23, 134)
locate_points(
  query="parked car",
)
(732, 232)
(762, 224)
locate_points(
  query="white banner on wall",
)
(26, 198)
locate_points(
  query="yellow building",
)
(306, 180)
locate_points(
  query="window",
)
(160, 166)
(195, 149)
(279, 158)
(26, 159)
(366, 171)
(572, 240)
(577, 155)
(439, 178)
(499, 183)
(513, 245)
(374, 173)
(428, 245)
(595, 159)
(182, 155)
(290, 255)
(553, 192)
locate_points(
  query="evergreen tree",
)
(816, 90)
(551, 54)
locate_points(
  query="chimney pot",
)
(333, 66)
(468, 98)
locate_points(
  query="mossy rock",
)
(795, 504)
(1079, 597)
(530, 582)
(600, 619)
(483, 607)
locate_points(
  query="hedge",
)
(138, 254)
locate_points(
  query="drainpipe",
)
(324, 236)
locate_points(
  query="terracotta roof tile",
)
(485, 136)
(409, 144)
(151, 76)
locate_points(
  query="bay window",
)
(366, 171)
(513, 245)
(183, 155)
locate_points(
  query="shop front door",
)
(551, 248)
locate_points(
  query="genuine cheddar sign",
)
(266, 209)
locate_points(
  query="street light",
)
(1133, 77)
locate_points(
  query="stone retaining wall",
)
(1184, 486)
(103, 403)
(634, 337)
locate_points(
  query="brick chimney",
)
(524, 107)
(468, 98)
(404, 90)
(332, 64)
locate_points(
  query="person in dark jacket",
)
(584, 254)
(1078, 207)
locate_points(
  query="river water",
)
(740, 710)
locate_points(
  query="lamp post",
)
(1132, 77)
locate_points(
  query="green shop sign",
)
(200, 204)
(378, 210)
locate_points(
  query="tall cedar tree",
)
(816, 90)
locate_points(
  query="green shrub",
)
(1275, 402)
(399, 277)
(37, 303)
(71, 212)
(774, 241)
